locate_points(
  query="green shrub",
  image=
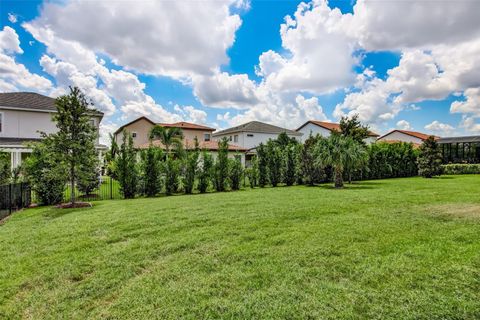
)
(461, 168)
(171, 169)
(126, 167)
(205, 172)
(430, 159)
(46, 174)
(262, 165)
(4, 167)
(150, 168)
(274, 164)
(221, 166)
(236, 173)
(289, 167)
(191, 166)
(252, 173)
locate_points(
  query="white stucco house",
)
(23, 115)
(414, 137)
(249, 135)
(324, 129)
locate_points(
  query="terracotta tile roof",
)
(186, 125)
(415, 134)
(30, 101)
(189, 144)
(257, 126)
(331, 126)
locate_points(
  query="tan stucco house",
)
(140, 131)
(23, 115)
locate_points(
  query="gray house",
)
(23, 115)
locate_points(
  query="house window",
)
(1, 122)
(230, 139)
(250, 135)
(206, 137)
(134, 135)
(235, 138)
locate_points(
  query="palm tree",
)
(167, 136)
(341, 153)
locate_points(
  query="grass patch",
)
(377, 249)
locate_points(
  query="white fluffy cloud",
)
(470, 105)
(226, 91)
(404, 125)
(191, 114)
(174, 38)
(439, 128)
(9, 42)
(15, 76)
(396, 25)
(320, 54)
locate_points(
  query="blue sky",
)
(224, 63)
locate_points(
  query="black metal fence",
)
(13, 197)
(106, 189)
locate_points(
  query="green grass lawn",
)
(400, 249)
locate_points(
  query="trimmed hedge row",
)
(461, 168)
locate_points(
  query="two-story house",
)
(140, 130)
(324, 129)
(249, 135)
(23, 115)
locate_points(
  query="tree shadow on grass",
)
(55, 213)
(347, 186)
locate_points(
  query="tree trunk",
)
(72, 184)
(338, 178)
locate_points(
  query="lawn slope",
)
(401, 248)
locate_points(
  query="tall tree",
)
(262, 159)
(191, 167)
(274, 164)
(310, 171)
(168, 136)
(289, 164)
(284, 140)
(338, 152)
(353, 128)
(205, 172)
(151, 171)
(110, 156)
(46, 172)
(76, 137)
(430, 159)
(236, 173)
(126, 165)
(221, 166)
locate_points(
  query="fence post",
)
(10, 198)
(111, 188)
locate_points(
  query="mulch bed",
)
(75, 205)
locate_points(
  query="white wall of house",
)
(28, 124)
(313, 129)
(399, 136)
(249, 140)
(25, 124)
